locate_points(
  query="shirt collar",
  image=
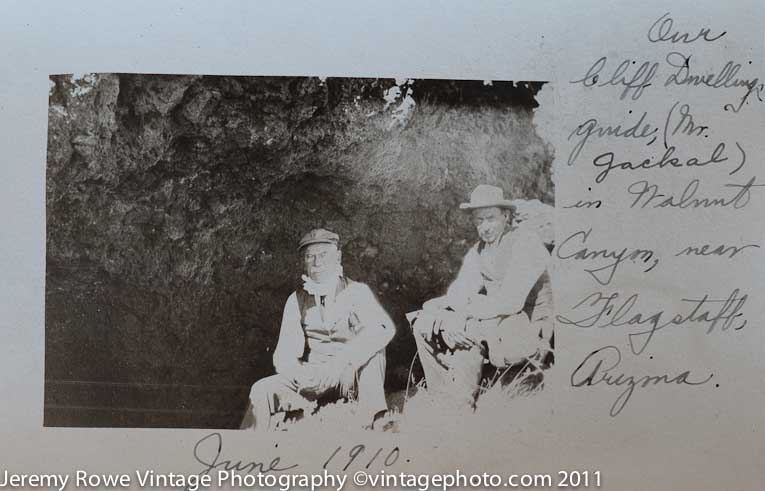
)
(320, 289)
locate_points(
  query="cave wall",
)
(174, 205)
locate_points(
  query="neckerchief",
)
(324, 290)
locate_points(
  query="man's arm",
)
(467, 283)
(377, 328)
(529, 260)
(291, 343)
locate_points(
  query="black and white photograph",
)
(267, 253)
(360, 245)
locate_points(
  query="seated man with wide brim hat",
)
(332, 341)
(497, 310)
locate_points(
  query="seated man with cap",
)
(331, 344)
(499, 308)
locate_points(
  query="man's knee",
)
(423, 328)
(263, 390)
(374, 369)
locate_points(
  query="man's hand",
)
(299, 374)
(330, 374)
(453, 334)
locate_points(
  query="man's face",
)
(490, 223)
(321, 261)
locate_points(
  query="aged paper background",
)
(668, 436)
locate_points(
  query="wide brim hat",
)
(486, 196)
(319, 236)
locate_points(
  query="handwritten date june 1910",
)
(208, 452)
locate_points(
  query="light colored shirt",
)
(352, 325)
(506, 270)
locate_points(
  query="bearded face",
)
(321, 262)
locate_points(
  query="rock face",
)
(175, 203)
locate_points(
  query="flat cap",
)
(319, 236)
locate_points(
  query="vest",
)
(325, 336)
